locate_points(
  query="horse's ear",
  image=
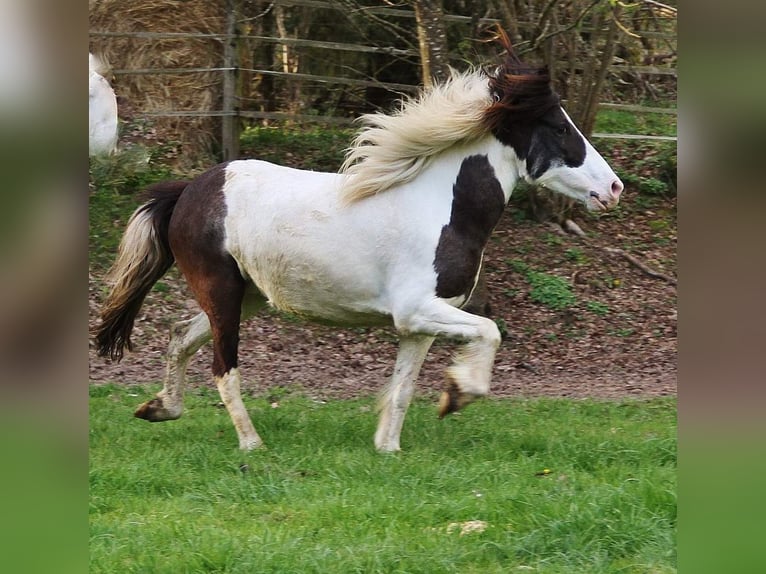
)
(501, 36)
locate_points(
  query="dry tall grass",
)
(160, 92)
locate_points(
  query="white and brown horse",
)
(396, 238)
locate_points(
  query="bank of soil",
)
(617, 340)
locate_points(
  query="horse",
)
(102, 111)
(395, 238)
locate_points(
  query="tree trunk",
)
(267, 53)
(289, 61)
(432, 38)
(588, 119)
(230, 124)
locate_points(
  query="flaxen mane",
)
(393, 149)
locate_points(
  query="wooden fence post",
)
(230, 123)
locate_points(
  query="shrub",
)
(128, 171)
(597, 307)
(551, 291)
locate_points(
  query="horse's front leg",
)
(186, 337)
(397, 394)
(468, 378)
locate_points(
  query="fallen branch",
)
(642, 266)
(556, 228)
(572, 227)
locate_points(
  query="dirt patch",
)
(617, 340)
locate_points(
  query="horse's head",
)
(527, 116)
(559, 158)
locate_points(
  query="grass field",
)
(554, 486)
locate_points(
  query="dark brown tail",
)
(144, 256)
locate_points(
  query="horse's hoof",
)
(452, 400)
(155, 412)
(252, 444)
(388, 448)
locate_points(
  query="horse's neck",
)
(504, 162)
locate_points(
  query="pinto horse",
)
(395, 238)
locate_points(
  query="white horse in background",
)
(102, 111)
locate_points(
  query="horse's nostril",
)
(617, 187)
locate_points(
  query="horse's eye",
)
(497, 97)
(563, 130)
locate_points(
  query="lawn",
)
(543, 485)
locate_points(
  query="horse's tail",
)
(144, 256)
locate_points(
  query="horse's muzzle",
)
(609, 200)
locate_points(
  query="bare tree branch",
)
(558, 32)
(642, 266)
(660, 5)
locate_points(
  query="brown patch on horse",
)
(477, 205)
(527, 116)
(197, 238)
(453, 399)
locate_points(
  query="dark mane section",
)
(522, 92)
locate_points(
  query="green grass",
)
(318, 148)
(598, 308)
(117, 181)
(648, 167)
(109, 212)
(174, 498)
(628, 122)
(549, 290)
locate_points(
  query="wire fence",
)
(234, 107)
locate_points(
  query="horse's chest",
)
(477, 205)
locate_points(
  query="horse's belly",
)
(340, 293)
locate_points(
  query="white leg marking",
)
(228, 387)
(472, 365)
(471, 370)
(398, 392)
(186, 337)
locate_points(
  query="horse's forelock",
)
(521, 91)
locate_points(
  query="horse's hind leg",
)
(186, 337)
(220, 290)
(227, 378)
(398, 392)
